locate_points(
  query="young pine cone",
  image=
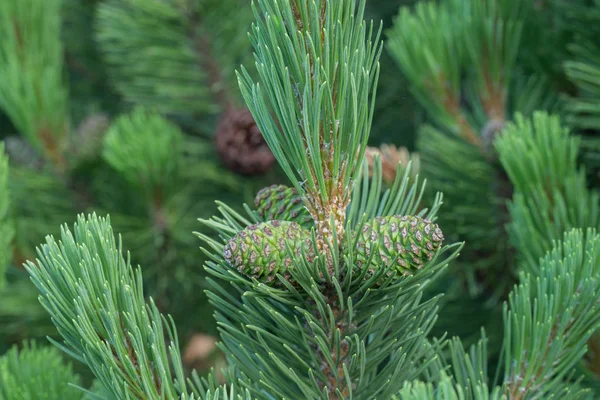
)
(240, 144)
(279, 202)
(405, 243)
(260, 250)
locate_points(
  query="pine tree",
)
(83, 122)
(473, 73)
(330, 287)
(356, 280)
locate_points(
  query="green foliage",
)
(97, 303)
(463, 60)
(319, 335)
(550, 192)
(37, 373)
(39, 215)
(464, 378)
(583, 70)
(155, 185)
(315, 98)
(151, 175)
(32, 89)
(459, 58)
(176, 57)
(6, 228)
(153, 163)
(550, 316)
(360, 317)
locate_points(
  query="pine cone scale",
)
(404, 243)
(282, 203)
(260, 250)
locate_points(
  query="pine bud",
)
(260, 249)
(279, 202)
(406, 243)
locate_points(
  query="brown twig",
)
(52, 149)
(493, 98)
(451, 104)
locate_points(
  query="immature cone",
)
(279, 202)
(240, 144)
(405, 243)
(260, 250)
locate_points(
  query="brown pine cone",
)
(240, 144)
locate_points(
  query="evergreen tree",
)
(359, 279)
(115, 107)
(474, 67)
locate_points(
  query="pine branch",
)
(550, 316)
(551, 196)
(174, 57)
(289, 332)
(96, 301)
(34, 372)
(459, 57)
(32, 91)
(348, 322)
(432, 61)
(314, 103)
(36, 216)
(151, 164)
(465, 378)
(584, 71)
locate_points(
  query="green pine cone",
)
(279, 202)
(404, 242)
(260, 251)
